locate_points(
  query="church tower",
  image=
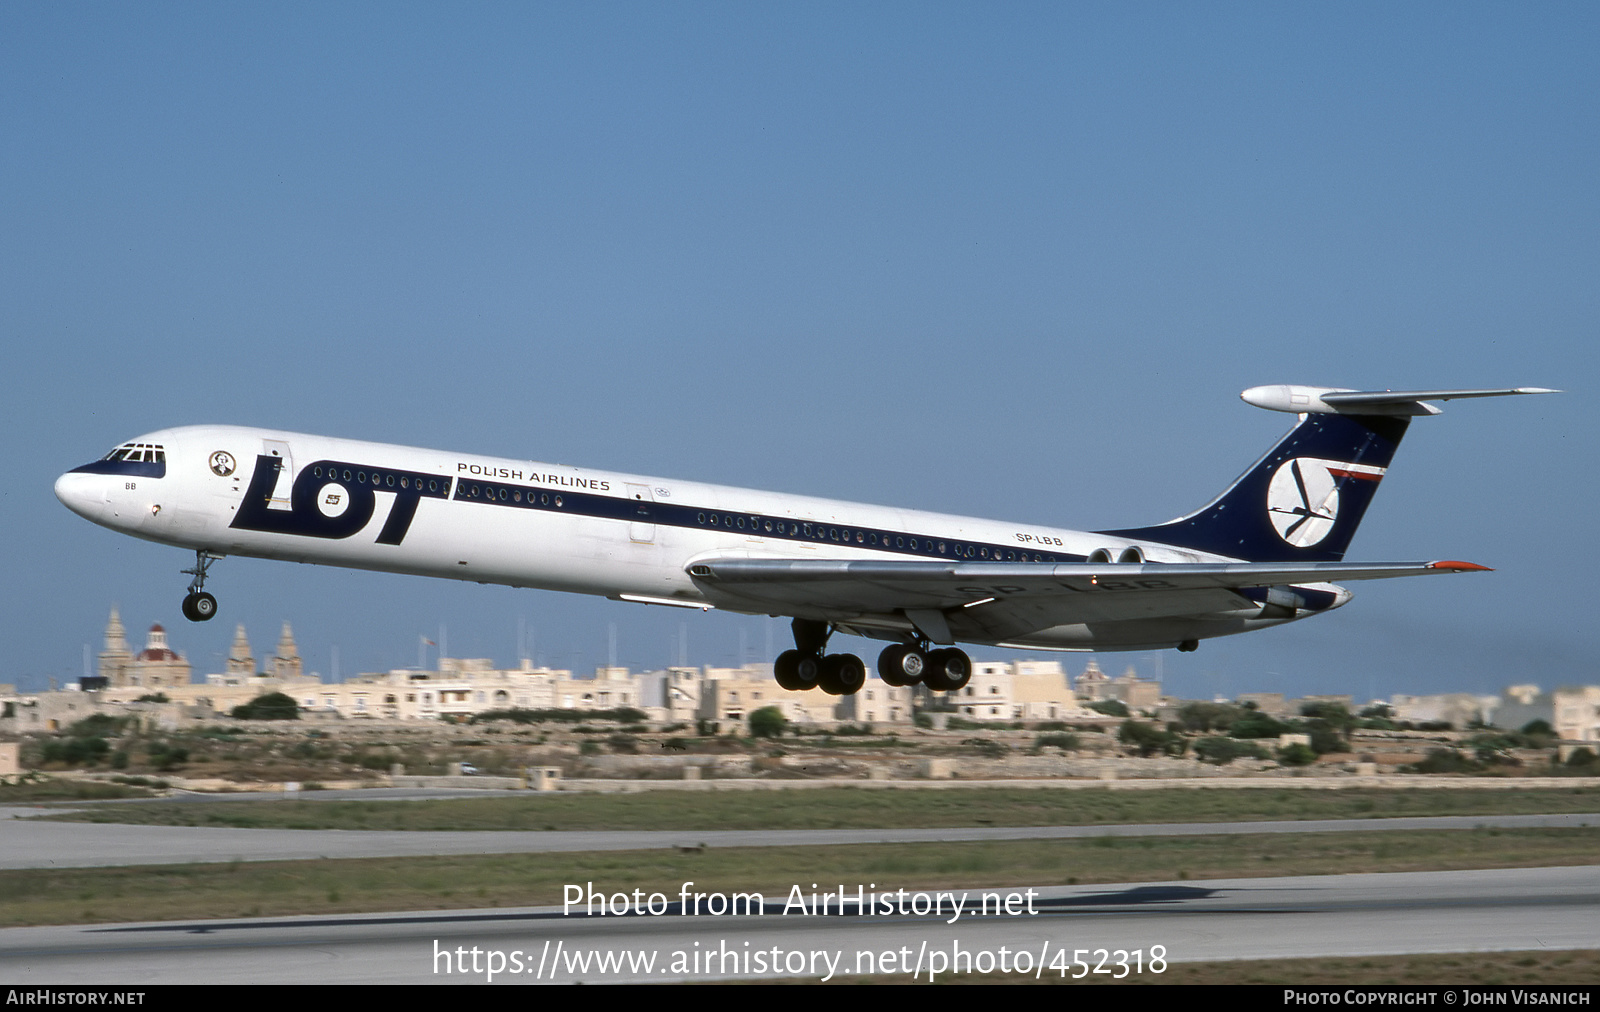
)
(286, 665)
(115, 657)
(240, 661)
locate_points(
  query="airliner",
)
(1261, 554)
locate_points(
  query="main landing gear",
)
(199, 606)
(809, 667)
(944, 670)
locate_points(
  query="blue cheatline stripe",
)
(780, 529)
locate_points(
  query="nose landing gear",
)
(199, 606)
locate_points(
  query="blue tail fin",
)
(1301, 502)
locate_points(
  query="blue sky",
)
(1008, 260)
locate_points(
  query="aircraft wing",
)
(1008, 599)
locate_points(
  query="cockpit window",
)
(147, 460)
(139, 453)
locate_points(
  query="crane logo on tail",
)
(1303, 497)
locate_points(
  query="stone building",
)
(1573, 710)
(156, 666)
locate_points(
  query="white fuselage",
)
(527, 524)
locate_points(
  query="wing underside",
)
(998, 602)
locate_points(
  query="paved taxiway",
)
(28, 843)
(1339, 915)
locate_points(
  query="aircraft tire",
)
(948, 670)
(795, 671)
(902, 664)
(842, 675)
(957, 669)
(204, 606)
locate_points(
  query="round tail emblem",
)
(1303, 501)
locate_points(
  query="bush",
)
(1324, 737)
(1582, 758)
(272, 706)
(963, 724)
(1209, 716)
(1109, 707)
(1257, 725)
(1443, 760)
(166, 757)
(1222, 751)
(1151, 740)
(1495, 746)
(96, 725)
(1063, 740)
(76, 751)
(141, 782)
(1296, 755)
(1334, 713)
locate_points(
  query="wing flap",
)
(966, 581)
(1011, 599)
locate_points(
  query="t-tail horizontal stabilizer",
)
(1338, 401)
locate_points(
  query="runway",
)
(27, 843)
(1340, 915)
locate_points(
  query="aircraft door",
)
(641, 519)
(280, 492)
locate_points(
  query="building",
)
(1573, 711)
(1093, 685)
(1040, 691)
(156, 666)
(462, 687)
(1134, 692)
(1458, 709)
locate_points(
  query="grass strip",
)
(256, 889)
(844, 808)
(68, 790)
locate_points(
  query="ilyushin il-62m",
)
(1263, 553)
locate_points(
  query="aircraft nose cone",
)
(82, 494)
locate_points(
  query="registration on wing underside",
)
(1031, 594)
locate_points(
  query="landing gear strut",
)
(807, 667)
(199, 606)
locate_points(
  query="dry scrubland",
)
(617, 745)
